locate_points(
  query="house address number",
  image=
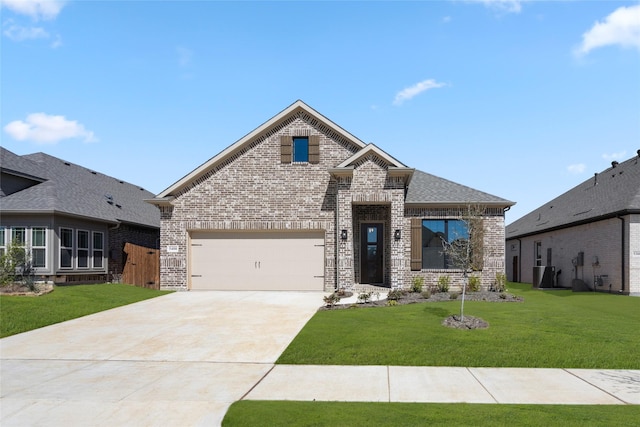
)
(173, 248)
(636, 254)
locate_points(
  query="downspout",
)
(337, 230)
(622, 264)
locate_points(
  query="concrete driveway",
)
(180, 359)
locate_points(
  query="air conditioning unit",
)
(544, 276)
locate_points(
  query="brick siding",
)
(254, 190)
(601, 239)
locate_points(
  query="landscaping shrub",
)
(443, 283)
(394, 294)
(331, 300)
(474, 284)
(500, 284)
(416, 285)
(454, 295)
(364, 297)
(426, 294)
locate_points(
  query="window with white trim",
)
(98, 249)
(82, 250)
(66, 248)
(3, 241)
(538, 253)
(19, 236)
(19, 239)
(39, 247)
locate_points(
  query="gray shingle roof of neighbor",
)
(427, 188)
(612, 192)
(65, 188)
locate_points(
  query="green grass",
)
(24, 313)
(271, 413)
(554, 329)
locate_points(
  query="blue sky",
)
(521, 99)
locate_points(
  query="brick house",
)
(587, 238)
(73, 221)
(301, 204)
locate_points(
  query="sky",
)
(521, 99)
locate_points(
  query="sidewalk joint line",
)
(259, 381)
(595, 386)
(482, 385)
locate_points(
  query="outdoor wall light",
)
(343, 234)
(397, 235)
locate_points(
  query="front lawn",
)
(550, 329)
(24, 313)
(269, 413)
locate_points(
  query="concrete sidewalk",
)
(449, 385)
(182, 359)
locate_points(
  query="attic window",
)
(300, 149)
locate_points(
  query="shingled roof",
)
(62, 187)
(425, 188)
(610, 193)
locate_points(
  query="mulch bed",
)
(416, 297)
(453, 321)
(468, 322)
(18, 289)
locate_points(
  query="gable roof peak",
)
(371, 148)
(296, 107)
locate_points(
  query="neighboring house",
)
(74, 221)
(301, 204)
(587, 238)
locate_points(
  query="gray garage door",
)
(257, 260)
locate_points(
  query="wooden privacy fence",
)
(142, 267)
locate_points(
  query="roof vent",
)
(638, 153)
(94, 172)
(614, 164)
(595, 178)
(67, 163)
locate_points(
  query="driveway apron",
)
(180, 359)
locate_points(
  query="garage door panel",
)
(257, 261)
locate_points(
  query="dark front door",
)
(371, 254)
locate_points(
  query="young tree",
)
(465, 250)
(16, 266)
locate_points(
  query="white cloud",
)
(621, 27)
(577, 168)
(508, 6)
(615, 156)
(36, 9)
(19, 33)
(409, 92)
(43, 128)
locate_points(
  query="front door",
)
(371, 255)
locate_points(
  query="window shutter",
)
(416, 244)
(285, 149)
(314, 149)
